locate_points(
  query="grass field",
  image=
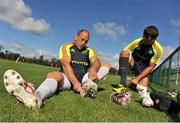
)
(69, 107)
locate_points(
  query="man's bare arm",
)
(144, 73)
(70, 74)
(94, 68)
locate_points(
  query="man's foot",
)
(147, 101)
(89, 88)
(120, 88)
(23, 91)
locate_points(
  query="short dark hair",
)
(83, 30)
(151, 31)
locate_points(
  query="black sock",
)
(123, 69)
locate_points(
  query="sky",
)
(38, 27)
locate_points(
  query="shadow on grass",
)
(71, 90)
(173, 112)
(100, 89)
(174, 117)
(114, 85)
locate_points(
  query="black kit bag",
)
(162, 102)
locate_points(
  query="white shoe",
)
(23, 91)
(89, 88)
(147, 101)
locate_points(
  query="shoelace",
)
(28, 88)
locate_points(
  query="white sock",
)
(142, 91)
(47, 88)
(103, 71)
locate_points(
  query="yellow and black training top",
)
(145, 53)
(80, 59)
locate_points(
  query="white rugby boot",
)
(89, 88)
(147, 101)
(23, 91)
(145, 96)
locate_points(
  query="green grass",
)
(67, 107)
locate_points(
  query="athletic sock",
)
(123, 69)
(145, 96)
(142, 91)
(47, 88)
(103, 71)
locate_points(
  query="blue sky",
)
(39, 27)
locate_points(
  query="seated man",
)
(141, 56)
(79, 63)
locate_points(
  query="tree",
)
(41, 59)
(7, 52)
(113, 71)
(1, 47)
(53, 62)
(13, 56)
(2, 55)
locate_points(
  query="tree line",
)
(5, 54)
(53, 62)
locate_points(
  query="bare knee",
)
(108, 65)
(125, 54)
(55, 75)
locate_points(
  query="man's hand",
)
(68, 71)
(77, 87)
(95, 66)
(93, 75)
(89, 88)
(134, 81)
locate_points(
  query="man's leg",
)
(89, 88)
(125, 61)
(53, 81)
(103, 71)
(142, 87)
(22, 90)
(142, 91)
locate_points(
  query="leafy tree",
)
(41, 59)
(1, 47)
(113, 71)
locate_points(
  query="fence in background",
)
(168, 72)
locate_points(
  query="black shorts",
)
(138, 67)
